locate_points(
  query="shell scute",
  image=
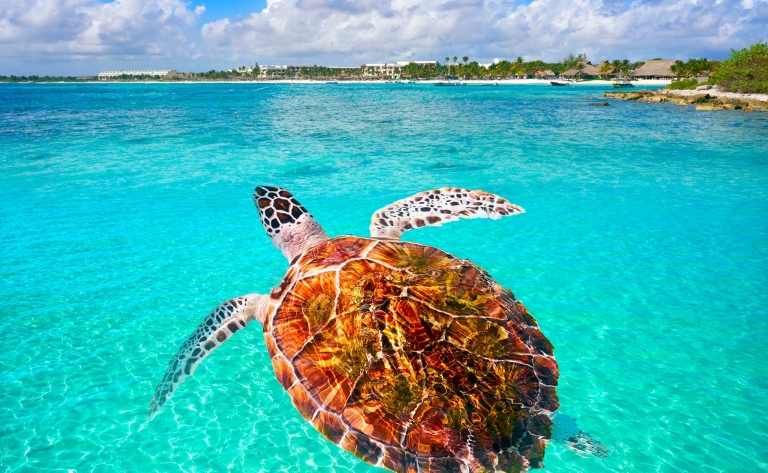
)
(283, 371)
(317, 368)
(363, 447)
(487, 338)
(269, 340)
(396, 459)
(433, 433)
(303, 402)
(305, 309)
(330, 425)
(410, 325)
(381, 401)
(332, 253)
(440, 465)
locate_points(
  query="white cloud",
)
(300, 30)
(62, 35)
(44, 32)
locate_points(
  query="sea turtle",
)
(408, 357)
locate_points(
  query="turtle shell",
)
(412, 359)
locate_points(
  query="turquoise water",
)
(125, 217)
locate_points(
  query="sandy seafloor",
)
(125, 216)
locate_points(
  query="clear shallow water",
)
(125, 217)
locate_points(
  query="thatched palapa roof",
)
(655, 68)
(588, 70)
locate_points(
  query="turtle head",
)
(288, 224)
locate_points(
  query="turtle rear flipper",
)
(584, 443)
(567, 432)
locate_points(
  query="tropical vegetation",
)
(35, 78)
(745, 70)
(683, 84)
(694, 67)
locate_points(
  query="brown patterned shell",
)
(412, 359)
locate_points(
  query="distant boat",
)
(559, 83)
(622, 83)
(331, 82)
(451, 81)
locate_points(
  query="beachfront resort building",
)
(243, 69)
(655, 69)
(291, 72)
(390, 69)
(106, 75)
(268, 71)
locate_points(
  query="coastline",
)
(704, 100)
(642, 82)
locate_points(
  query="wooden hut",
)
(586, 71)
(545, 74)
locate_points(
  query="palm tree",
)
(455, 59)
(616, 67)
(605, 68)
(625, 66)
(465, 59)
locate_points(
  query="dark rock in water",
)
(598, 104)
(702, 101)
(699, 98)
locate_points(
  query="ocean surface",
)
(125, 217)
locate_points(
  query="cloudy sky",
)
(87, 36)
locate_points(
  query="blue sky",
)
(88, 36)
(218, 9)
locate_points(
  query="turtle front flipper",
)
(433, 208)
(214, 330)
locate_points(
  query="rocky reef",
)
(703, 99)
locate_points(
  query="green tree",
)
(605, 68)
(571, 61)
(625, 66)
(616, 64)
(745, 70)
(465, 59)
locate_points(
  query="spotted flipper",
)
(214, 330)
(567, 432)
(433, 208)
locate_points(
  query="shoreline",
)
(643, 82)
(704, 100)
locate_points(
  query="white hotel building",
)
(157, 73)
(391, 70)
